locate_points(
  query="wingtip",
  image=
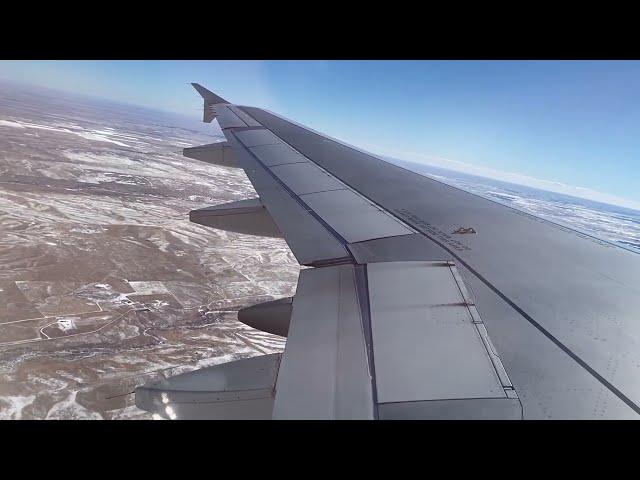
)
(210, 98)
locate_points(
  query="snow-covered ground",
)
(105, 283)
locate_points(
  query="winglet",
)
(210, 98)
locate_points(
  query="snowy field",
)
(104, 282)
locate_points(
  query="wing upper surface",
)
(560, 305)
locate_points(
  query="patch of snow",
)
(7, 123)
(149, 288)
(91, 135)
(18, 403)
(99, 138)
(83, 229)
(70, 409)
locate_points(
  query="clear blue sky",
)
(571, 122)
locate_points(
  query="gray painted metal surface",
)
(219, 153)
(346, 215)
(271, 317)
(402, 248)
(248, 120)
(244, 216)
(253, 138)
(227, 118)
(426, 341)
(551, 290)
(309, 240)
(353, 217)
(324, 372)
(559, 305)
(536, 365)
(243, 389)
(457, 409)
(305, 178)
(210, 99)
(277, 154)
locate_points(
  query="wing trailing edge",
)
(392, 340)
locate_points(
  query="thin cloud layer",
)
(511, 177)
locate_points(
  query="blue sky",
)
(556, 125)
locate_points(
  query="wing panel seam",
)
(297, 199)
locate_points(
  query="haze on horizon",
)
(563, 126)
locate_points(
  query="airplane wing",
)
(422, 301)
